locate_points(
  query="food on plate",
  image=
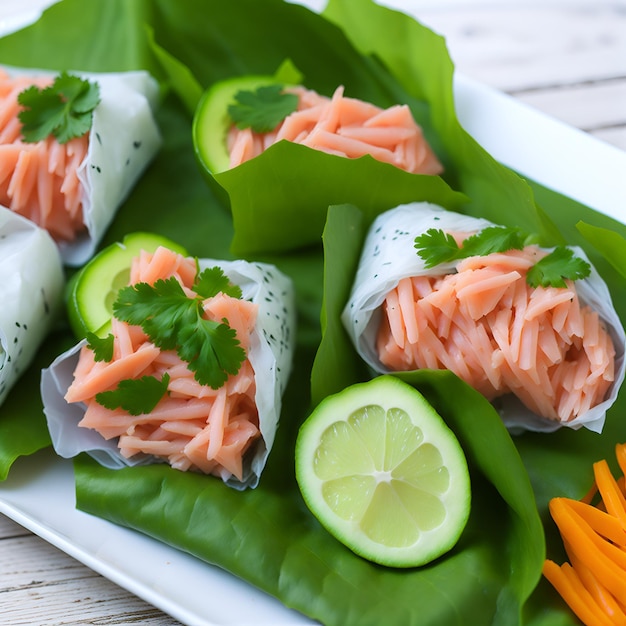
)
(384, 474)
(532, 329)
(72, 146)
(239, 118)
(93, 288)
(31, 289)
(191, 373)
(593, 529)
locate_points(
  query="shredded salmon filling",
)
(346, 127)
(39, 180)
(488, 326)
(193, 427)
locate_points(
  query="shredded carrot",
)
(611, 495)
(603, 523)
(601, 595)
(577, 597)
(39, 180)
(593, 583)
(500, 335)
(346, 127)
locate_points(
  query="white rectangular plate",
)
(39, 493)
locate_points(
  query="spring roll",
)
(546, 356)
(228, 430)
(73, 189)
(31, 288)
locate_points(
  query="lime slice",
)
(211, 121)
(93, 289)
(384, 474)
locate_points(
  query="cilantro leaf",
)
(435, 247)
(557, 267)
(63, 109)
(174, 321)
(211, 346)
(137, 396)
(102, 347)
(262, 110)
(160, 309)
(212, 281)
(491, 240)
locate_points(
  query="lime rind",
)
(211, 119)
(384, 474)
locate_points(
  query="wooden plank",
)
(8, 528)
(598, 106)
(41, 585)
(615, 136)
(530, 45)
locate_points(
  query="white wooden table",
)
(566, 58)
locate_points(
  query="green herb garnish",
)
(136, 396)
(557, 267)
(435, 247)
(174, 321)
(212, 281)
(63, 109)
(263, 109)
(102, 347)
(492, 240)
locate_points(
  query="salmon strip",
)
(193, 427)
(487, 325)
(39, 180)
(345, 127)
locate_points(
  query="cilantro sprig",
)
(174, 321)
(557, 267)
(64, 109)
(137, 396)
(436, 246)
(102, 347)
(263, 109)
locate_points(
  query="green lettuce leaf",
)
(336, 364)
(23, 429)
(276, 178)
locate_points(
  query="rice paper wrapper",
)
(31, 291)
(123, 140)
(389, 255)
(271, 356)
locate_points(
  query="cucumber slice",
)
(211, 121)
(383, 473)
(93, 289)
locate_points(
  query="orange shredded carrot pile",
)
(39, 180)
(346, 127)
(593, 583)
(500, 335)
